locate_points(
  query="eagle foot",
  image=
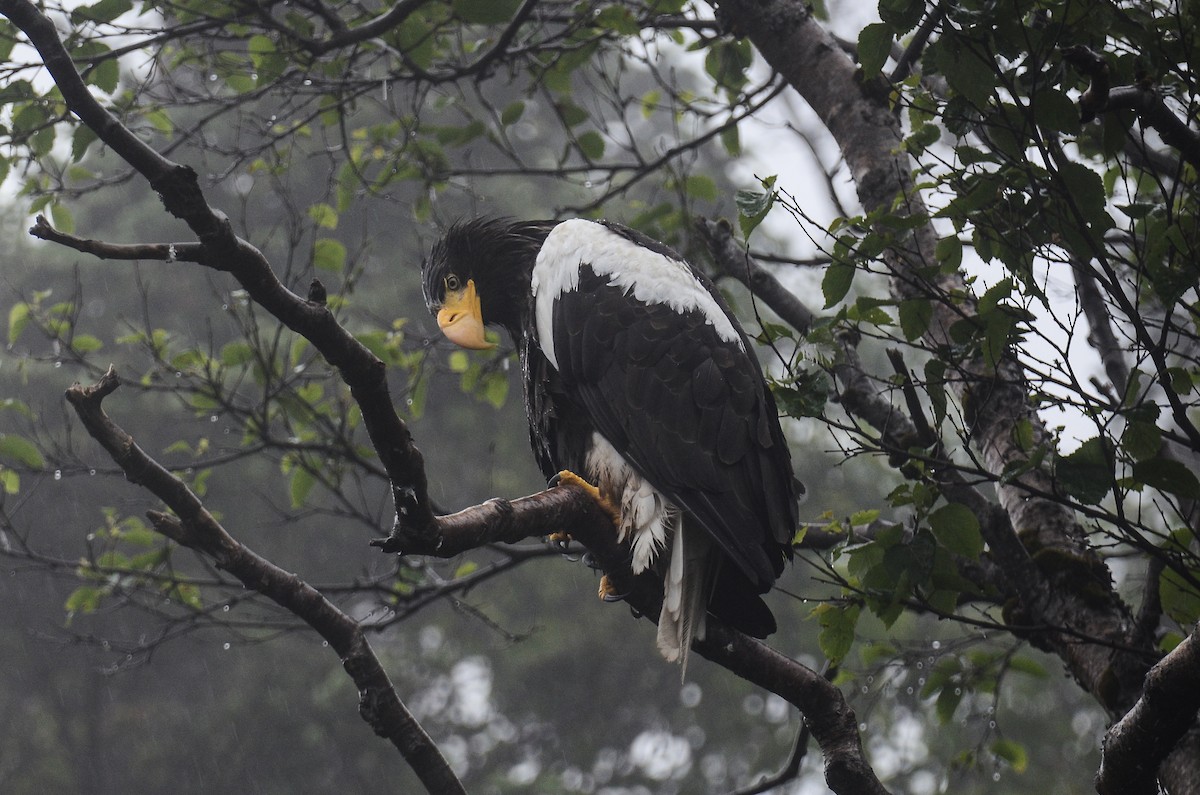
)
(560, 540)
(569, 478)
(608, 592)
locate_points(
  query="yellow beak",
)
(461, 319)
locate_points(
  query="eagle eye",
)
(452, 283)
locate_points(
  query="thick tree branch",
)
(569, 509)
(1136, 745)
(194, 527)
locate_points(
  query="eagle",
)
(639, 381)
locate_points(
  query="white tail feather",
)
(684, 590)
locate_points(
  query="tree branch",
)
(1136, 745)
(194, 527)
(1142, 100)
(732, 259)
(166, 252)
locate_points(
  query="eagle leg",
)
(569, 478)
(608, 592)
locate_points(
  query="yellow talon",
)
(569, 478)
(607, 591)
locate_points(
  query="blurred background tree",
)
(990, 395)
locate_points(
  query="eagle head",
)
(479, 274)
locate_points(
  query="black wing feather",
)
(688, 410)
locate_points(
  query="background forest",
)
(964, 233)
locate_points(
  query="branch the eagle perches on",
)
(831, 721)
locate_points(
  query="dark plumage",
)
(639, 379)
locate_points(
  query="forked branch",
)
(190, 524)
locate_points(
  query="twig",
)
(166, 252)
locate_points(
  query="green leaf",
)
(1028, 666)
(85, 343)
(301, 486)
(619, 19)
(591, 144)
(837, 280)
(968, 70)
(512, 113)
(21, 450)
(903, 15)
(82, 137)
(103, 11)
(1179, 598)
(325, 216)
(1087, 473)
(106, 76)
(1168, 475)
(495, 389)
(956, 528)
(1087, 192)
(837, 629)
(1141, 440)
(1012, 752)
(1054, 110)
(18, 318)
(485, 12)
(570, 113)
(727, 61)
(753, 206)
(731, 140)
(805, 396)
(329, 255)
(64, 221)
(915, 314)
(268, 62)
(10, 480)
(84, 599)
(874, 46)
(699, 186)
(159, 120)
(948, 701)
(235, 354)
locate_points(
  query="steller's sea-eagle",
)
(639, 380)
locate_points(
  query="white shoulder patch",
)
(647, 275)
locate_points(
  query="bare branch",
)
(194, 527)
(1101, 336)
(732, 259)
(166, 252)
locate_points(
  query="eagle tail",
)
(685, 593)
